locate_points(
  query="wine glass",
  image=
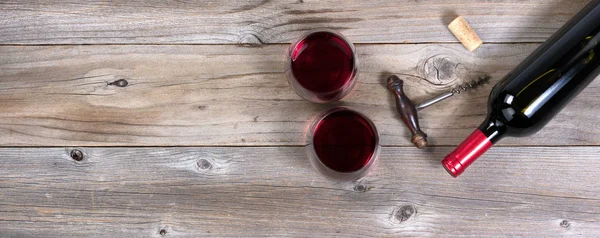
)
(342, 143)
(321, 66)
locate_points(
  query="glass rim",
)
(324, 169)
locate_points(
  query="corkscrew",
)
(408, 111)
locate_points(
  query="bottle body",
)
(534, 92)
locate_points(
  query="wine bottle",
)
(536, 90)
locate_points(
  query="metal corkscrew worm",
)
(408, 111)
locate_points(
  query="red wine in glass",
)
(322, 66)
(343, 143)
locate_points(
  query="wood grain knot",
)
(565, 224)
(440, 69)
(251, 39)
(119, 83)
(360, 188)
(204, 165)
(76, 155)
(164, 230)
(403, 213)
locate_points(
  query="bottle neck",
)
(492, 129)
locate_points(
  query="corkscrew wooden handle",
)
(407, 111)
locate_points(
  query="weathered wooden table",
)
(187, 127)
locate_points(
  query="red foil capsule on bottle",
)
(467, 152)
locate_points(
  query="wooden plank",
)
(273, 191)
(224, 95)
(277, 21)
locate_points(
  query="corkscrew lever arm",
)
(465, 87)
(434, 100)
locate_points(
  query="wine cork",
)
(465, 34)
